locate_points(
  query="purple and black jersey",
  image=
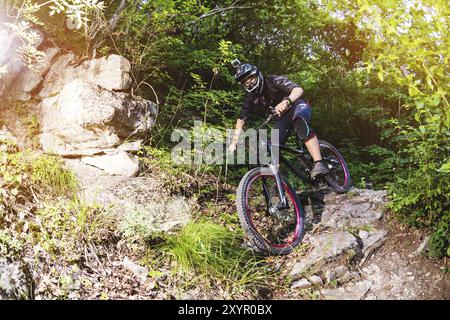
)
(276, 88)
(297, 117)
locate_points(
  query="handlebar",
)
(266, 122)
(273, 115)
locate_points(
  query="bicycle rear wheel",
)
(339, 179)
(272, 231)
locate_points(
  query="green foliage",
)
(377, 82)
(22, 15)
(47, 172)
(412, 60)
(138, 227)
(374, 94)
(372, 166)
(439, 244)
(9, 244)
(217, 255)
(421, 192)
(23, 174)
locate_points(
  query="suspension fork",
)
(273, 169)
(267, 194)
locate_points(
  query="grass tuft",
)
(48, 172)
(216, 255)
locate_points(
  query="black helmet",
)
(246, 70)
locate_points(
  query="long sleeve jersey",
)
(276, 88)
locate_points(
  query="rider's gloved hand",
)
(234, 141)
(281, 107)
(232, 147)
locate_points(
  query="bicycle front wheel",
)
(273, 231)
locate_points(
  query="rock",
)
(316, 280)
(130, 146)
(166, 214)
(86, 174)
(340, 271)
(139, 271)
(131, 199)
(28, 80)
(335, 273)
(371, 270)
(301, 284)
(346, 277)
(423, 247)
(85, 120)
(9, 57)
(373, 242)
(325, 248)
(6, 135)
(330, 275)
(356, 276)
(174, 214)
(363, 208)
(111, 73)
(20, 95)
(371, 296)
(14, 283)
(121, 163)
(363, 234)
(58, 75)
(353, 292)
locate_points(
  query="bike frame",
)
(275, 165)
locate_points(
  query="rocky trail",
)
(354, 252)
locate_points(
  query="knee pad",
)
(303, 129)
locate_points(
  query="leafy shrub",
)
(371, 166)
(421, 193)
(9, 245)
(137, 226)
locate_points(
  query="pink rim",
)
(341, 160)
(297, 213)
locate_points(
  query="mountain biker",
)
(293, 112)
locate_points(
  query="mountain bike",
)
(268, 206)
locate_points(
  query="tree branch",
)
(234, 6)
(116, 16)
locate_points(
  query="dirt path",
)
(353, 251)
(398, 271)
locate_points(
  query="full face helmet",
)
(249, 76)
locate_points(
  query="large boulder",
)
(356, 291)
(28, 80)
(357, 208)
(118, 163)
(10, 58)
(85, 119)
(140, 202)
(111, 72)
(325, 248)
